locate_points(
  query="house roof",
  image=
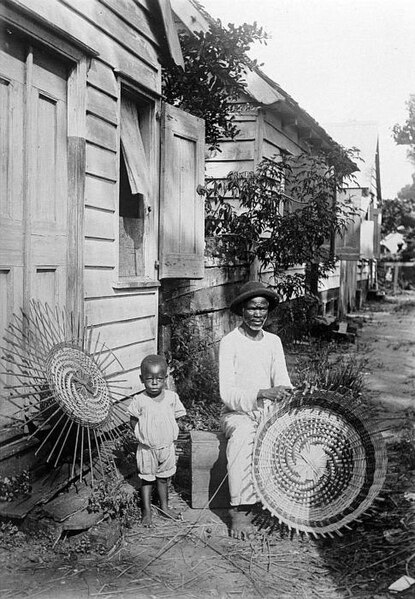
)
(259, 86)
(169, 32)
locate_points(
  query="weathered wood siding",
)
(261, 135)
(118, 30)
(207, 299)
(124, 318)
(120, 34)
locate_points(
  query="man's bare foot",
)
(241, 524)
(146, 520)
(169, 512)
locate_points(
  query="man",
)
(252, 375)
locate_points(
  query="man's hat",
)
(250, 290)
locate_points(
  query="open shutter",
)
(133, 149)
(181, 207)
(348, 246)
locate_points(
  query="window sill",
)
(135, 283)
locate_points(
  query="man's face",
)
(255, 313)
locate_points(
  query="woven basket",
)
(316, 465)
(80, 387)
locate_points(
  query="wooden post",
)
(395, 278)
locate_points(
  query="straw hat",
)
(250, 290)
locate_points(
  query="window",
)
(134, 187)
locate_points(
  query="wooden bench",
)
(209, 482)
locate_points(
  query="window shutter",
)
(348, 246)
(181, 207)
(133, 149)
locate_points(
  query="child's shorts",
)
(155, 463)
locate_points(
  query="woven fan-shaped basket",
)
(66, 387)
(316, 464)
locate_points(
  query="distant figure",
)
(153, 414)
(252, 375)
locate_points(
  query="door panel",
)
(47, 160)
(33, 170)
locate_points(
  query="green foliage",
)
(325, 368)
(398, 213)
(215, 63)
(284, 213)
(110, 498)
(10, 536)
(407, 193)
(12, 487)
(405, 134)
(294, 320)
(195, 371)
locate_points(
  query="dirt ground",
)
(196, 558)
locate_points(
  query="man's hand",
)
(274, 393)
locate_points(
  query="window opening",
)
(134, 188)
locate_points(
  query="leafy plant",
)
(294, 320)
(195, 371)
(115, 502)
(405, 134)
(326, 369)
(213, 77)
(285, 213)
(12, 487)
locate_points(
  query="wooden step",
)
(209, 483)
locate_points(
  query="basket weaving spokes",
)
(317, 465)
(65, 389)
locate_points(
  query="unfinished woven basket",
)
(66, 388)
(317, 466)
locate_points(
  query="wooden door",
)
(33, 170)
(47, 182)
(33, 194)
(12, 99)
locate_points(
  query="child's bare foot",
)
(241, 524)
(169, 512)
(146, 520)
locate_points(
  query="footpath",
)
(388, 335)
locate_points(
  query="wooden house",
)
(270, 122)
(98, 195)
(359, 249)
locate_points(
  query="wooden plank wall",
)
(261, 135)
(275, 136)
(120, 32)
(124, 319)
(209, 298)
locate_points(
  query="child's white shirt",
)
(156, 426)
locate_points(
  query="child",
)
(153, 414)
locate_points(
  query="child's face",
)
(154, 378)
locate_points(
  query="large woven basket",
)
(316, 464)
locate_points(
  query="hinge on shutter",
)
(156, 264)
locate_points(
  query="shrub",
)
(325, 369)
(110, 498)
(194, 367)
